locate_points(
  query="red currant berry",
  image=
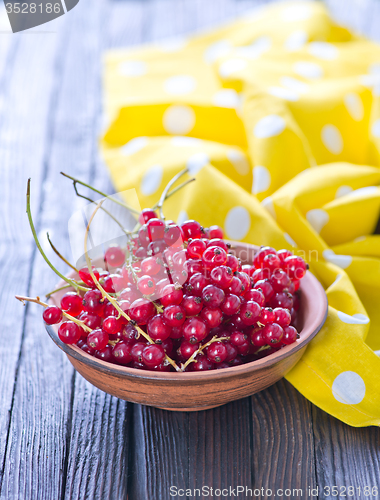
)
(69, 332)
(212, 317)
(214, 256)
(217, 242)
(221, 276)
(283, 254)
(250, 312)
(280, 280)
(260, 274)
(244, 349)
(89, 350)
(170, 295)
(212, 296)
(136, 351)
(156, 247)
(217, 352)
(266, 316)
(98, 339)
(232, 351)
(173, 235)
(259, 257)
(192, 305)
(215, 232)
(176, 332)
(282, 317)
(233, 262)
(201, 364)
(71, 303)
(295, 267)
(153, 355)
(144, 236)
(238, 338)
(93, 302)
(86, 277)
(193, 267)
(114, 256)
(141, 310)
(256, 296)
(282, 299)
(146, 215)
(146, 285)
(151, 266)
(194, 330)
(130, 294)
(156, 229)
(266, 288)
(236, 286)
(174, 315)
(93, 321)
(121, 353)
(191, 229)
(231, 304)
(112, 325)
(197, 283)
(296, 302)
(186, 349)
(196, 248)
(257, 337)
(271, 262)
(52, 315)
(273, 333)
(105, 354)
(245, 280)
(157, 329)
(290, 335)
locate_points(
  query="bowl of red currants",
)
(188, 320)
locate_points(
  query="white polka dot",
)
(323, 50)
(267, 203)
(349, 388)
(308, 69)
(179, 119)
(369, 80)
(269, 126)
(374, 69)
(186, 142)
(375, 129)
(283, 93)
(180, 84)
(151, 180)
(261, 179)
(256, 49)
(354, 105)
(290, 240)
(231, 66)
(317, 218)
(237, 223)
(294, 84)
(365, 191)
(134, 145)
(256, 14)
(174, 44)
(299, 12)
(342, 261)
(226, 98)
(239, 160)
(355, 319)
(360, 238)
(342, 191)
(296, 40)
(133, 68)
(182, 217)
(216, 50)
(377, 353)
(332, 139)
(196, 162)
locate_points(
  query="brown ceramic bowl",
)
(193, 391)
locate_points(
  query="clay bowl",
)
(193, 391)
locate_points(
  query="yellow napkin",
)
(278, 117)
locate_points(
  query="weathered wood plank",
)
(283, 447)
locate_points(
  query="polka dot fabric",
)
(277, 116)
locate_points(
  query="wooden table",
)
(60, 438)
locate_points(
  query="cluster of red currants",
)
(187, 301)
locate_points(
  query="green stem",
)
(28, 211)
(60, 255)
(115, 200)
(166, 190)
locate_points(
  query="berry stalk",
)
(200, 350)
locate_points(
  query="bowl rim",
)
(186, 377)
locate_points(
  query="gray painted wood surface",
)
(60, 438)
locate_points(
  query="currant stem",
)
(28, 211)
(64, 287)
(127, 233)
(60, 255)
(38, 301)
(107, 296)
(200, 350)
(115, 200)
(166, 190)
